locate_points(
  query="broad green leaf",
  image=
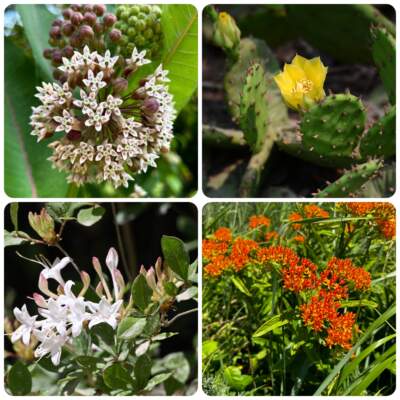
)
(117, 377)
(89, 216)
(175, 255)
(19, 379)
(14, 215)
(105, 332)
(141, 293)
(37, 20)
(178, 364)
(142, 370)
(240, 285)
(234, 378)
(163, 336)
(156, 380)
(179, 26)
(270, 325)
(130, 327)
(87, 362)
(27, 172)
(142, 348)
(208, 348)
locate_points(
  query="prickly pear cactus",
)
(384, 54)
(380, 139)
(251, 51)
(140, 25)
(331, 129)
(254, 107)
(348, 184)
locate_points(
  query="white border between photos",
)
(199, 199)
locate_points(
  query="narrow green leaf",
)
(141, 293)
(37, 20)
(240, 285)
(175, 255)
(130, 328)
(89, 216)
(179, 26)
(19, 379)
(270, 325)
(358, 303)
(142, 370)
(14, 215)
(156, 380)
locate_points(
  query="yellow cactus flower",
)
(302, 82)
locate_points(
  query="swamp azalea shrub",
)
(101, 334)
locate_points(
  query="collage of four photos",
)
(199, 199)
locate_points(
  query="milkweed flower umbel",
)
(107, 133)
(302, 82)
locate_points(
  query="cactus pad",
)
(384, 54)
(348, 184)
(380, 139)
(331, 129)
(254, 107)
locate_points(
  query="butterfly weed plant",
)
(299, 299)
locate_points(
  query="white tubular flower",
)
(54, 271)
(77, 314)
(28, 324)
(104, 312)
(56, 316)
(51, 343)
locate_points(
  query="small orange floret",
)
(300, 277)
(212, 248)
(293, 217)
(217, 265)
(259, 220)
(223, 234)
(299, 238)
(340, 331)
(271, 236)
(314, 211)
(240, 254)
(279, 254)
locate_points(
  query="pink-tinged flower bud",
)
(96, 265)
(85, 277)
(76, 7)
(139, 94)
(109, 20)
(158, 267)
(75, 40)
(68, 28)
(143, 271)
(47, 53)
(55, 32)
(86, 32)
(67, 13)
(115, 35)
(39, 300)
(44, 287)
(89, 18)
(120, 85)
(120, 281)
(98, 28)
(74, 135)
(57, 22)
(112, 259)
(99, 290)
(99, 9)
(68, 51)
(56, 57)
(76, 18)
(150, 105)
(88, 8)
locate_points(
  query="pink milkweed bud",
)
(109, 20)
(115, 35)
(67, 13)
(99, 9)
(89, 18)
(76, 18)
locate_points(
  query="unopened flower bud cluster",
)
(140, 27)
(62, 316)
(105, 133)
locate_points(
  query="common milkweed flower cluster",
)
(108, 135)
(62, 314)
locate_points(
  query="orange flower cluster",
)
(279, 254)
(384, 213)
(272, 235)
(212, 248)
(223, 234)
(217, 265)
(332, 286)
(259, 220)
(308, 211)
(240, 254)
